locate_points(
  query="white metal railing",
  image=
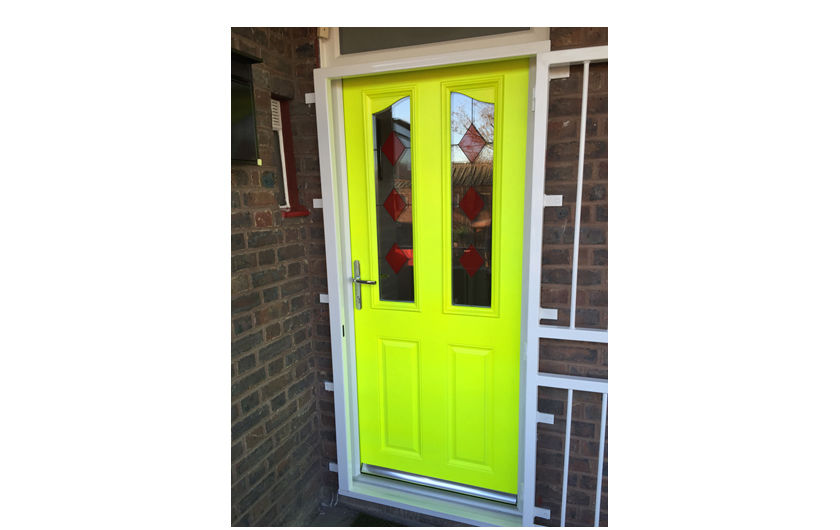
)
(570, 384)
(546, 69)
(551, 65)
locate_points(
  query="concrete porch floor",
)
(341, 515)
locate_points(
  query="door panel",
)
(436, 173)
(399, 380)
(470, 404)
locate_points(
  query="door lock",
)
(357, 283)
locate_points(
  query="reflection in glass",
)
(472, 131)
(392, 156)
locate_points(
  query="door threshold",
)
(498, 496)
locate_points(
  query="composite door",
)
(436, 177)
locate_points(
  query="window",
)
(243, 123)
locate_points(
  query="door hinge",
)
(342, 330)
(533, 99)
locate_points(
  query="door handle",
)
(357, 282)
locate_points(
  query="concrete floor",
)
(341, 515)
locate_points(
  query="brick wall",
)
(568, 357)
(277, 270)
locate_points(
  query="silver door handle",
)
(357, 280)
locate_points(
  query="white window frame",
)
(332, 155)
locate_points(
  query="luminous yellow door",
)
(436, 170)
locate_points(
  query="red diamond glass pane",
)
(471, 203)
(471, 260)
(471, 138)
(396, 258)
(471, 143)
(392, 180)
(393, 148)
(394, 204)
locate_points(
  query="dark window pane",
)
(395, 241)
(240, 68)
(471, 127)
(243, 125)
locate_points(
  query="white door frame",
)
(331, 147)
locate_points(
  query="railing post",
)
(579, 195)
(601, 458)
(566, 451)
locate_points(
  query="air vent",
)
(275, 115)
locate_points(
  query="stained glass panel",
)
(395, 242)
(472, 133)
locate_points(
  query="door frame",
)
(331, 147)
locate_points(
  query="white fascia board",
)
(427, 61)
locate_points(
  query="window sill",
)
(295, 211)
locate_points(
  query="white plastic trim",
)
(543, 417)
(548, 313)
(329, 144)
(558, 72)
(525, 414)
(552, 200)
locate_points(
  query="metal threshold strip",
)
(492, 495)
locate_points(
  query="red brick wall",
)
(277, 270)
